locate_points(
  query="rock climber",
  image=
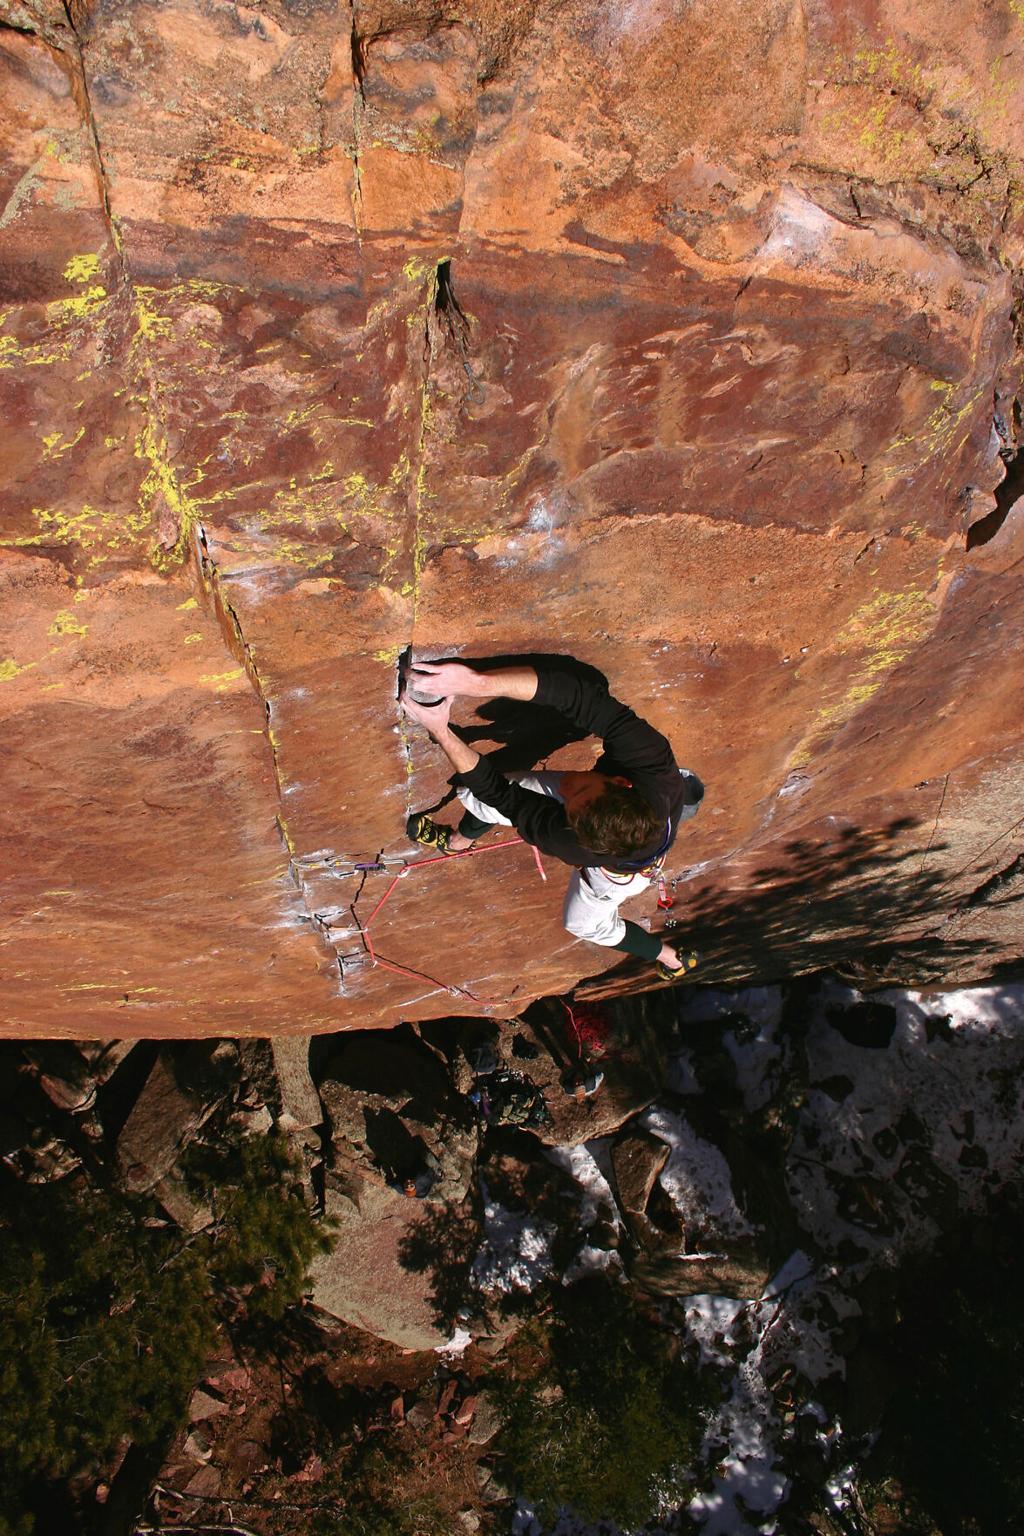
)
(614, 822)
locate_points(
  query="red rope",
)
(575, 1028)
(457, 853)
(383, 899)
(402, 970)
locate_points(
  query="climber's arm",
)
(454, 677)
(434, 719)
(539, 819)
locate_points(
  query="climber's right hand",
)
(449, 678)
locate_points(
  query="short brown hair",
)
(618, 822)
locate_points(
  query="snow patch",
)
(709, 1322)
(580, 1164)
(696, 1177)
(456, 1345)
(516, 1253)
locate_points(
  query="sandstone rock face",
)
(670, 336)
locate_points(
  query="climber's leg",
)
(478, 815)
(592, 904)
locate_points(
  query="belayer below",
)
(614, 823)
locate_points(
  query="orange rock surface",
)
(676, 337)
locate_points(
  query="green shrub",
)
(607, 1416)
(263, 1240)
(372, 1483)
(106, 1322)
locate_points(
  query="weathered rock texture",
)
(675, 336)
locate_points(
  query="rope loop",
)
(450, 988)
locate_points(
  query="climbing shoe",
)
(689, 960)
(429, 834)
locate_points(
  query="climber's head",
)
(607, 814)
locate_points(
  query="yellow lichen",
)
(34, 354)
(162, 481)
(80, 268)
(50, 443)
(192, 639)
(883, 631)
(80, 307)
(84, 527)
(296, 553)
(887, 628)
(9, 669)
(66, 624)
(149, 322)
(222, 680)
(297, 416)
(187, 605)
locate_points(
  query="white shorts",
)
(594, 896)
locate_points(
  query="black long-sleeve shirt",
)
(632, 749)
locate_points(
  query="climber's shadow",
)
(526, 733)
(824, 900)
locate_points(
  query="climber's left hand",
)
(433, 717)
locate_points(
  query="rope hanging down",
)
(441, 858)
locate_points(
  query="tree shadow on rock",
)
(399, 1154)
(443, 1243)
(825, 903)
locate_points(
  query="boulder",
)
(486, 1422)
(180, 1204)
(203, 1405)
(301, 1108)
(257, 1121)
(408, 1072)
(63, 1074)
(205, 1483)
(866, 1023)
(163, 1120)
(397, 1110)
(637, 1159)
(363, 1280)
(46, 1159)
(742, 1276)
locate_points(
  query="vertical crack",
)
(1011, 488)
(439, 297)
(244, 654)
(358, 46)
(403, 665)
(426, 410)
(454, 323)
(84, 97)
(445, 327)
(152, 445)
(163, 482)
